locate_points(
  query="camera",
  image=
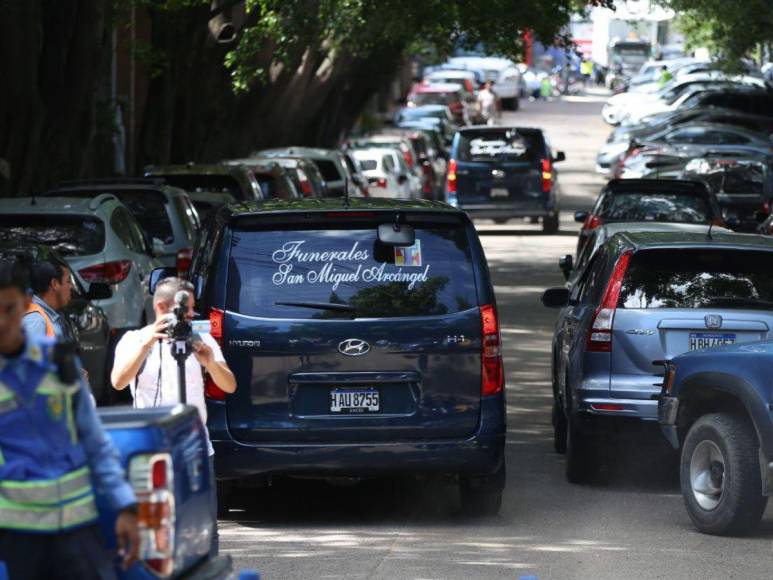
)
(178, 327)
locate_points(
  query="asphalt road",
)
(631, 524)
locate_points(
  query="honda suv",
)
(365, 341)
(643, 298)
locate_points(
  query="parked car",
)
(365, 341)
(85, 324)
(165, 213)
(384, 176)
(406, 148)
(450, 95)
(650, 200)
(504, 172)
(502, 72)
(164, 453)
(643, 298)
(359, 180)
(100, 239)
(304, 174)
(435, 117)
(715, 407)
(275, 181)
(210, 186)
(330, 162)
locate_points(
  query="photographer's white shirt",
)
(154, 389)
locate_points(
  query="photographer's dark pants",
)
(68, 555)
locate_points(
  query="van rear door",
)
(334, 336)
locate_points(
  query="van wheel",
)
(559, 429)
(482, 496)
(720, 475)
(579, 454)
(550, 224)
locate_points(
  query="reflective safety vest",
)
(45, 484)
(38, 309)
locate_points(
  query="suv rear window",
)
(506, 144)
(350, 266)
(70, 235)
(734, 279)
(655, 207)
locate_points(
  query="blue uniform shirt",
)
(102, 457)
(34, 325)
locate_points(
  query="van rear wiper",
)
(319, 306)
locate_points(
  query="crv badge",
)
(713, 321)
(353, 347)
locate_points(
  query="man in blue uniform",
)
(54, 456)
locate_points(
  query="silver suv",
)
(101, 241)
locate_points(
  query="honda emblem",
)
(713, 321)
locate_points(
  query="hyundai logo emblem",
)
(713, 321)
(497, 174)
(353, 347)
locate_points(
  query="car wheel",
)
(550, 224)
(579, 454)
(559, 429)
(482, 497)
(720, 475)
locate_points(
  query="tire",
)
(550, 224)
(501, 221)
(580, 456)
(509, 104)
(559, 429)
(482, 497)
(720, 456)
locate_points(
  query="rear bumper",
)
(644, 409)
(480, 454)
(668, 409)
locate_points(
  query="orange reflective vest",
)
(39, 310)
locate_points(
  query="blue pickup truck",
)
(164, 452)
(717, 406)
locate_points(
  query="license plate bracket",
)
(701, 340)
(356, 401)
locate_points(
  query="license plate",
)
(354, 401)
(701, 340)
(499, 192)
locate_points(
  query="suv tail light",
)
(451, 177)
(107, 273)
(600, 331)
(211, 390)
(306, 188)
(152, 478)
(547, 175)
(183, 263)
(492, 369)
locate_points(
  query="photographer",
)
(144, 362)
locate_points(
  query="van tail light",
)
(451, 177)
(107, 273)
(600, 331)
(183, 262)
(547, 175)
(152, 478)
(211, 390)
(492, 368)
(592, 222)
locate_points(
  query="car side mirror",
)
(560, 156)
(159, 274)
(555, 297)
(580, 216)
(99, 291)
(566, 263)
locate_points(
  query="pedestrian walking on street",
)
(51, 285)
(665, 76)
(54, 457)
(487, 104)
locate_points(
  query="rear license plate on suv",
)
(499, 192)
(354, 400)
(700, 340)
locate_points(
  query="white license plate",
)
(701, 340)
(499, 192)
(354, 400)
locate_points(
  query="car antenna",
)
(346, 192)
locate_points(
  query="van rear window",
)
(499, 145)
(349, 267)
(70, 235)
(726, 279)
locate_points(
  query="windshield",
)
(656, 207)
(702, 278)
(507, 144)
(350, 267)
(69, 235)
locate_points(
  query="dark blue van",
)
(365, 342)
